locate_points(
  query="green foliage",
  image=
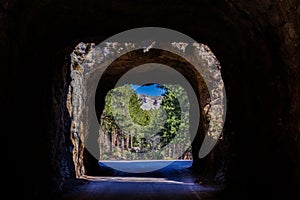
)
(171, 105)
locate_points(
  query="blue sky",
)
(151, 90)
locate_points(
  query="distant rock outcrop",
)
(150, 102)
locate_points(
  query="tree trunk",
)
(122, 144)
(131, 141)
(102, 144)
(127, 141)
(173, 151)
(111, 141)
(115, 138)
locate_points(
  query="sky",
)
(151, 90)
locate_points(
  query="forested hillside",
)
(137, 126)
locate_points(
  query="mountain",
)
(150, 102)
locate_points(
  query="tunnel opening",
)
(142, 130)
(139, 132)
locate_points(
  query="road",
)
(175, 181)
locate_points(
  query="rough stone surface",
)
(89, 61)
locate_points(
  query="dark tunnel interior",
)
(257, 44)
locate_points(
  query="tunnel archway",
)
(209, 91)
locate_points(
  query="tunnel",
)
(256, 43)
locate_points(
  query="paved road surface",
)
(172, 182)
